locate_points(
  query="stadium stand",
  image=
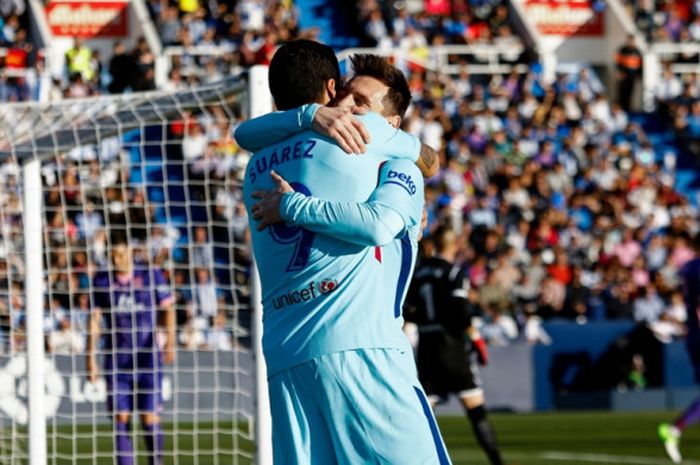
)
(21, 64)
(563, 205)
(210, 40)
(566, 204)
(120, 183)
(465, 23)
(662, 21)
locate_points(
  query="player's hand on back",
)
(339, 123)
(267, 210)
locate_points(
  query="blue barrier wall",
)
(519, 377)
(592, 338)
(677, 368)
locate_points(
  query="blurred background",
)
(569, 137)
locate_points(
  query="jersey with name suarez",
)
(312, 283)
(129, 311)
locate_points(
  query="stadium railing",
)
(654, 58)
(438, 57)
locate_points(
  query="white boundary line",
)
(605, 458)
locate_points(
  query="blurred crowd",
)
(667, 20)
(21, 65)
(564, 208)
(678, 104)
(209, 40)
(194, 229)
(390, 25)
(222, 37)
(87, 74)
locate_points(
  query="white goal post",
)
(164, 168)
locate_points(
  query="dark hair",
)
(299, 71)
(399, 96)
(118, 237)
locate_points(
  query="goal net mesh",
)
(164, 170)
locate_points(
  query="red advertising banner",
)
(565, 17)
(87, 19)
(437, 7)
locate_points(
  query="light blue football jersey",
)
(390, 218)
(317, 289)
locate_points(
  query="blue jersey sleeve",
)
(385, 140)
(257, 133)
(393, 207)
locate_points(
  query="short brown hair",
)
(399, 96)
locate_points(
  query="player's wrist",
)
(307, 115)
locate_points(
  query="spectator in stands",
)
(205, 298)
(169, 25)
(78, 60)
(219, 336)
(144, 76)
(648, 306)
(499, 328)
(66, 339)
(121, 69)
(202, 248)
(629, 68)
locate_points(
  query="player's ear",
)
(331, 90)
(394, 120)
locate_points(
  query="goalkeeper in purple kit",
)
(126, 301)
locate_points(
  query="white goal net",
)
(162, 171)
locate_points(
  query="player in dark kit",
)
(437, 304)
(670, 434)
(125, 311)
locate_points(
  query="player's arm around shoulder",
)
(257, 133)
(396, 143)
(337, 123)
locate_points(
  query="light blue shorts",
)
(354, 408)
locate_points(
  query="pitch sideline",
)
(608, 458)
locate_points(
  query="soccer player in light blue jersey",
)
(342, 379)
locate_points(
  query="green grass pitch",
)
(526, 439)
